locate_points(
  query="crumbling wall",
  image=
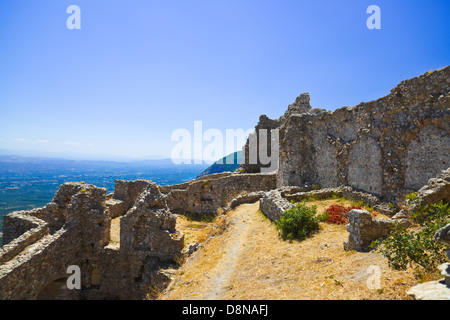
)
(387, 147)
(273, 205)
(210, 193)
(149, 227)
(364, 166)
(129, 191)
(425, 156)
(363, 230)
(36, 262)
(325, 158)
(42, 262)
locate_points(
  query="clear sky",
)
(139, 69)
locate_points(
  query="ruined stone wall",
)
(17, 224)
(36, 230)
(207, 195)
(41, 263)
(36, 261)
(386, 147)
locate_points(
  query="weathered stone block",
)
(273, 205)
(364, 230)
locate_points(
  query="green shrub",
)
(298, 222)
(323, 217)
(412, 199)
(417, 248)
(201, 217)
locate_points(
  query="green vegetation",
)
(322, 217)
(204, 217)
(416, 247)
(339, 199)
(298, 222)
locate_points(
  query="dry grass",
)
(192, 279)
(200, 231)
(263, 266)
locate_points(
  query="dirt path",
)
(207, 274)
(250, 261)
(220, 282)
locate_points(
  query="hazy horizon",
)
(90, 157)
(137, 71)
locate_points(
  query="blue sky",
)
(139, 69)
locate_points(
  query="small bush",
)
(298, 222)
(412, 199)
(417, 248)
(323, 217)
(339, 214)
(201, 217)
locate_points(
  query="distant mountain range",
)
(17, 160)
(224, 165)
(75, 156)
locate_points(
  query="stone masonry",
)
(387, 147)
(75, 229)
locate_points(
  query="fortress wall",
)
(17, 224)
(387, 147)
(34, 265)
(326, 162)
(203, 195)
(207, 195)
(40, 264)
(129, 191)
(426, 154)
(364, 166)
(13, 248)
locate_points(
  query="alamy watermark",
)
(374, 280)
(374, 21)
(74, 20)
(74, 280)
(212, 145)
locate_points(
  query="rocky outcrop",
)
(436, 189)
(229, 163)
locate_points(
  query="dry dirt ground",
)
(248, 260)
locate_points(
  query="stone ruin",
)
(75, 230)
(375, 152)
(387, 147)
